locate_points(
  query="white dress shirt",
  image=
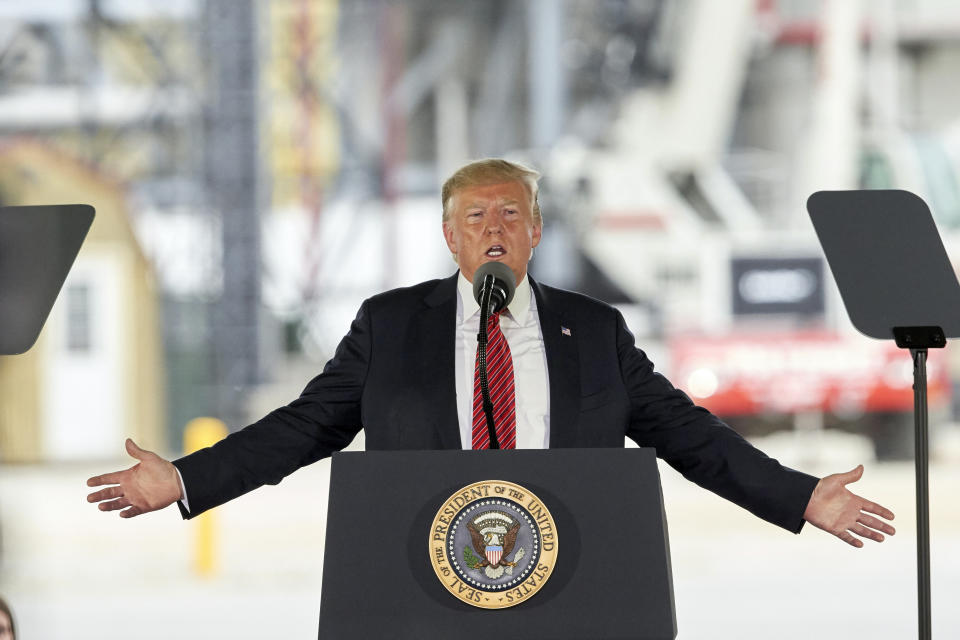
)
(520, 325)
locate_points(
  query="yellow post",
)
(200, 433)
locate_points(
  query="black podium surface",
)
(612, 576)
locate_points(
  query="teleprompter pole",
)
(918, 340)
(923, 489)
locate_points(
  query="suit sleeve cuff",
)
(184, 502)
(805, 490)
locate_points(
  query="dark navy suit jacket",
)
(393, 375)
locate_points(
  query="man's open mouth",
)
(496, 251)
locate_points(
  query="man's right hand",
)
(151, 484)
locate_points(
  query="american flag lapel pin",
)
(565, 331)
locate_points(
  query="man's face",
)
(492, 222)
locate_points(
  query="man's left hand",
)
(837, 510)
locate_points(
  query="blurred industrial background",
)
(260, 167)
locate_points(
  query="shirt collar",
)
(518, 309)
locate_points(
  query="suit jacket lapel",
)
(439, 324)
(563, 368)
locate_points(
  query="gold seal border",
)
(481, 491)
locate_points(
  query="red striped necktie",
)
(502, 392)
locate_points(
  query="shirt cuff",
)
(183, 491)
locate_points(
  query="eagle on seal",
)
(494, 535)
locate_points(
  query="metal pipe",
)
(923, 490)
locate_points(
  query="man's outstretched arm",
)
(839, 511)
(149, 485)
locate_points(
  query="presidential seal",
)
(493, 544)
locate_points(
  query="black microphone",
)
(498, 278)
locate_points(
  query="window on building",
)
(78, 318)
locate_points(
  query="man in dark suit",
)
(404, 373)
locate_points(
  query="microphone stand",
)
(482, 356)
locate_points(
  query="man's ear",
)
(535, 235)
(451, 237)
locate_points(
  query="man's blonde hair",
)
(491, 171)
